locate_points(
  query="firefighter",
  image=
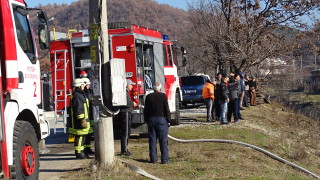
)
(89, 95)
(80, 125)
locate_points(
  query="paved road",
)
(60, 159)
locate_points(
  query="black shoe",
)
(126, 153)
(224, 123)
(165, 162)
(88, 151)
(81, 156)
(152, 162)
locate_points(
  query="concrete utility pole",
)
(103, 128)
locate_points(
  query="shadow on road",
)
(61, 170)
(58, 138)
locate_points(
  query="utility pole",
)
(103, 128)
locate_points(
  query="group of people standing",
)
(227, 95)
(156, 113)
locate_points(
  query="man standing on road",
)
(125, 117)
(208, 96)
(157, 115)
(80, 118)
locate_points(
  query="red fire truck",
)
(22, 123)
(148, 59)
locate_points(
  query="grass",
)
(284, 133)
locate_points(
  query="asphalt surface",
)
(59, 158)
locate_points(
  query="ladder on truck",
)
(60, 116)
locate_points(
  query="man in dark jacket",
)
(157, 116)
(125, 117)
(224, 99)
(79, 125)
(234, 91)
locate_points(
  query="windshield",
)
(193, 80)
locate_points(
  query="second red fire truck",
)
(148, 56)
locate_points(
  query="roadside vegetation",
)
(289, 135)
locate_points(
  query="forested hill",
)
(148, 13)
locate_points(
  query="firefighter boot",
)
(80, 155)
(88, 150)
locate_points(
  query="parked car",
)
(192, 89)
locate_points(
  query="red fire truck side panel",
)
(61, 80)
(8, 53)
(9, 41)
(123, 47)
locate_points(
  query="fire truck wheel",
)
(25, 152)
(176, 120)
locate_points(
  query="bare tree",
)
(239, 34)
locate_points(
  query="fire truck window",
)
(169, 55)
(148, 56)
(23, 33)
(139, 55)
(166, 52)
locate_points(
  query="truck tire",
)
(176, 120)
(25, 152)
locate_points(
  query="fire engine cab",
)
(22, 123)
(148, 58)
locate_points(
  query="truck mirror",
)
(183, 51)
(43, 36)
(184, 60)
(42, 17)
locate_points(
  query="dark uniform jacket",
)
(79, 112)
(89, 95)
(156, 105)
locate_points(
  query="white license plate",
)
(191, 91)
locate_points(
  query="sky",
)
(174, 3)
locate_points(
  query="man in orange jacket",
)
(208, 96)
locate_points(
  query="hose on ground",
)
(248, 145)
(139, 170)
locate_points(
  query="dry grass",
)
(284, 133)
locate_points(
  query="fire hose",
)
(144, 173)
(251, 146)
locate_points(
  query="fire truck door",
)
(3, 146)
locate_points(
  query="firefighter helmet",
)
(83, 74)
(78, 82)
(86, 81)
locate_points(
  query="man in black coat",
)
(158, 117)
(125, 117)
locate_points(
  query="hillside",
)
(149, 13)
(146, 13)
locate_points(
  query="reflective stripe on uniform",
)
(80, 116)
(79, 131)
(78, 145)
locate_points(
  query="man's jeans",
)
(209, 105)
(158, 129)
(223, 106)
